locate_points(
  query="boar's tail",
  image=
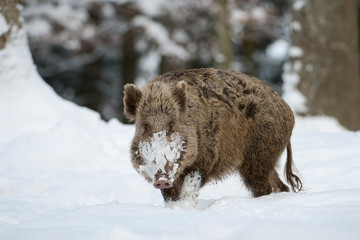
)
(291, 178)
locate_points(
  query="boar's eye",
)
(170, 128)
(146, 129)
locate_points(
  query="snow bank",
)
(31, 105)
(65, 174)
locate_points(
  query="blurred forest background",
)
(88, 49)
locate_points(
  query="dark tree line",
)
(87, 50)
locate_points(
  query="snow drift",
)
(66, 174)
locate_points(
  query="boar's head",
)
(160, 148)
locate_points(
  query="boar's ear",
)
(132, 96)
(180, 95)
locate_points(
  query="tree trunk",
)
(325, 37)
(11, 14)
(128, 67)
(224, 59)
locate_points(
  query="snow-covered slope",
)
(65, 174)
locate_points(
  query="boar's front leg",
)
(185, 188)
(191, 186)
(173, 193)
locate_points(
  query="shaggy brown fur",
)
(231, 122)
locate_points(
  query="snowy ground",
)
(65, 174)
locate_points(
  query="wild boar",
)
(200, 125)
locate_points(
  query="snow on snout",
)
(159, 152)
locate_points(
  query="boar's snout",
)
(162, 181)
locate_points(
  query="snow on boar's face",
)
(160, 142)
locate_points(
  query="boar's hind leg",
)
(258, 173)
(257, 183)
(276, 184)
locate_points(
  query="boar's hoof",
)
(162, 181)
